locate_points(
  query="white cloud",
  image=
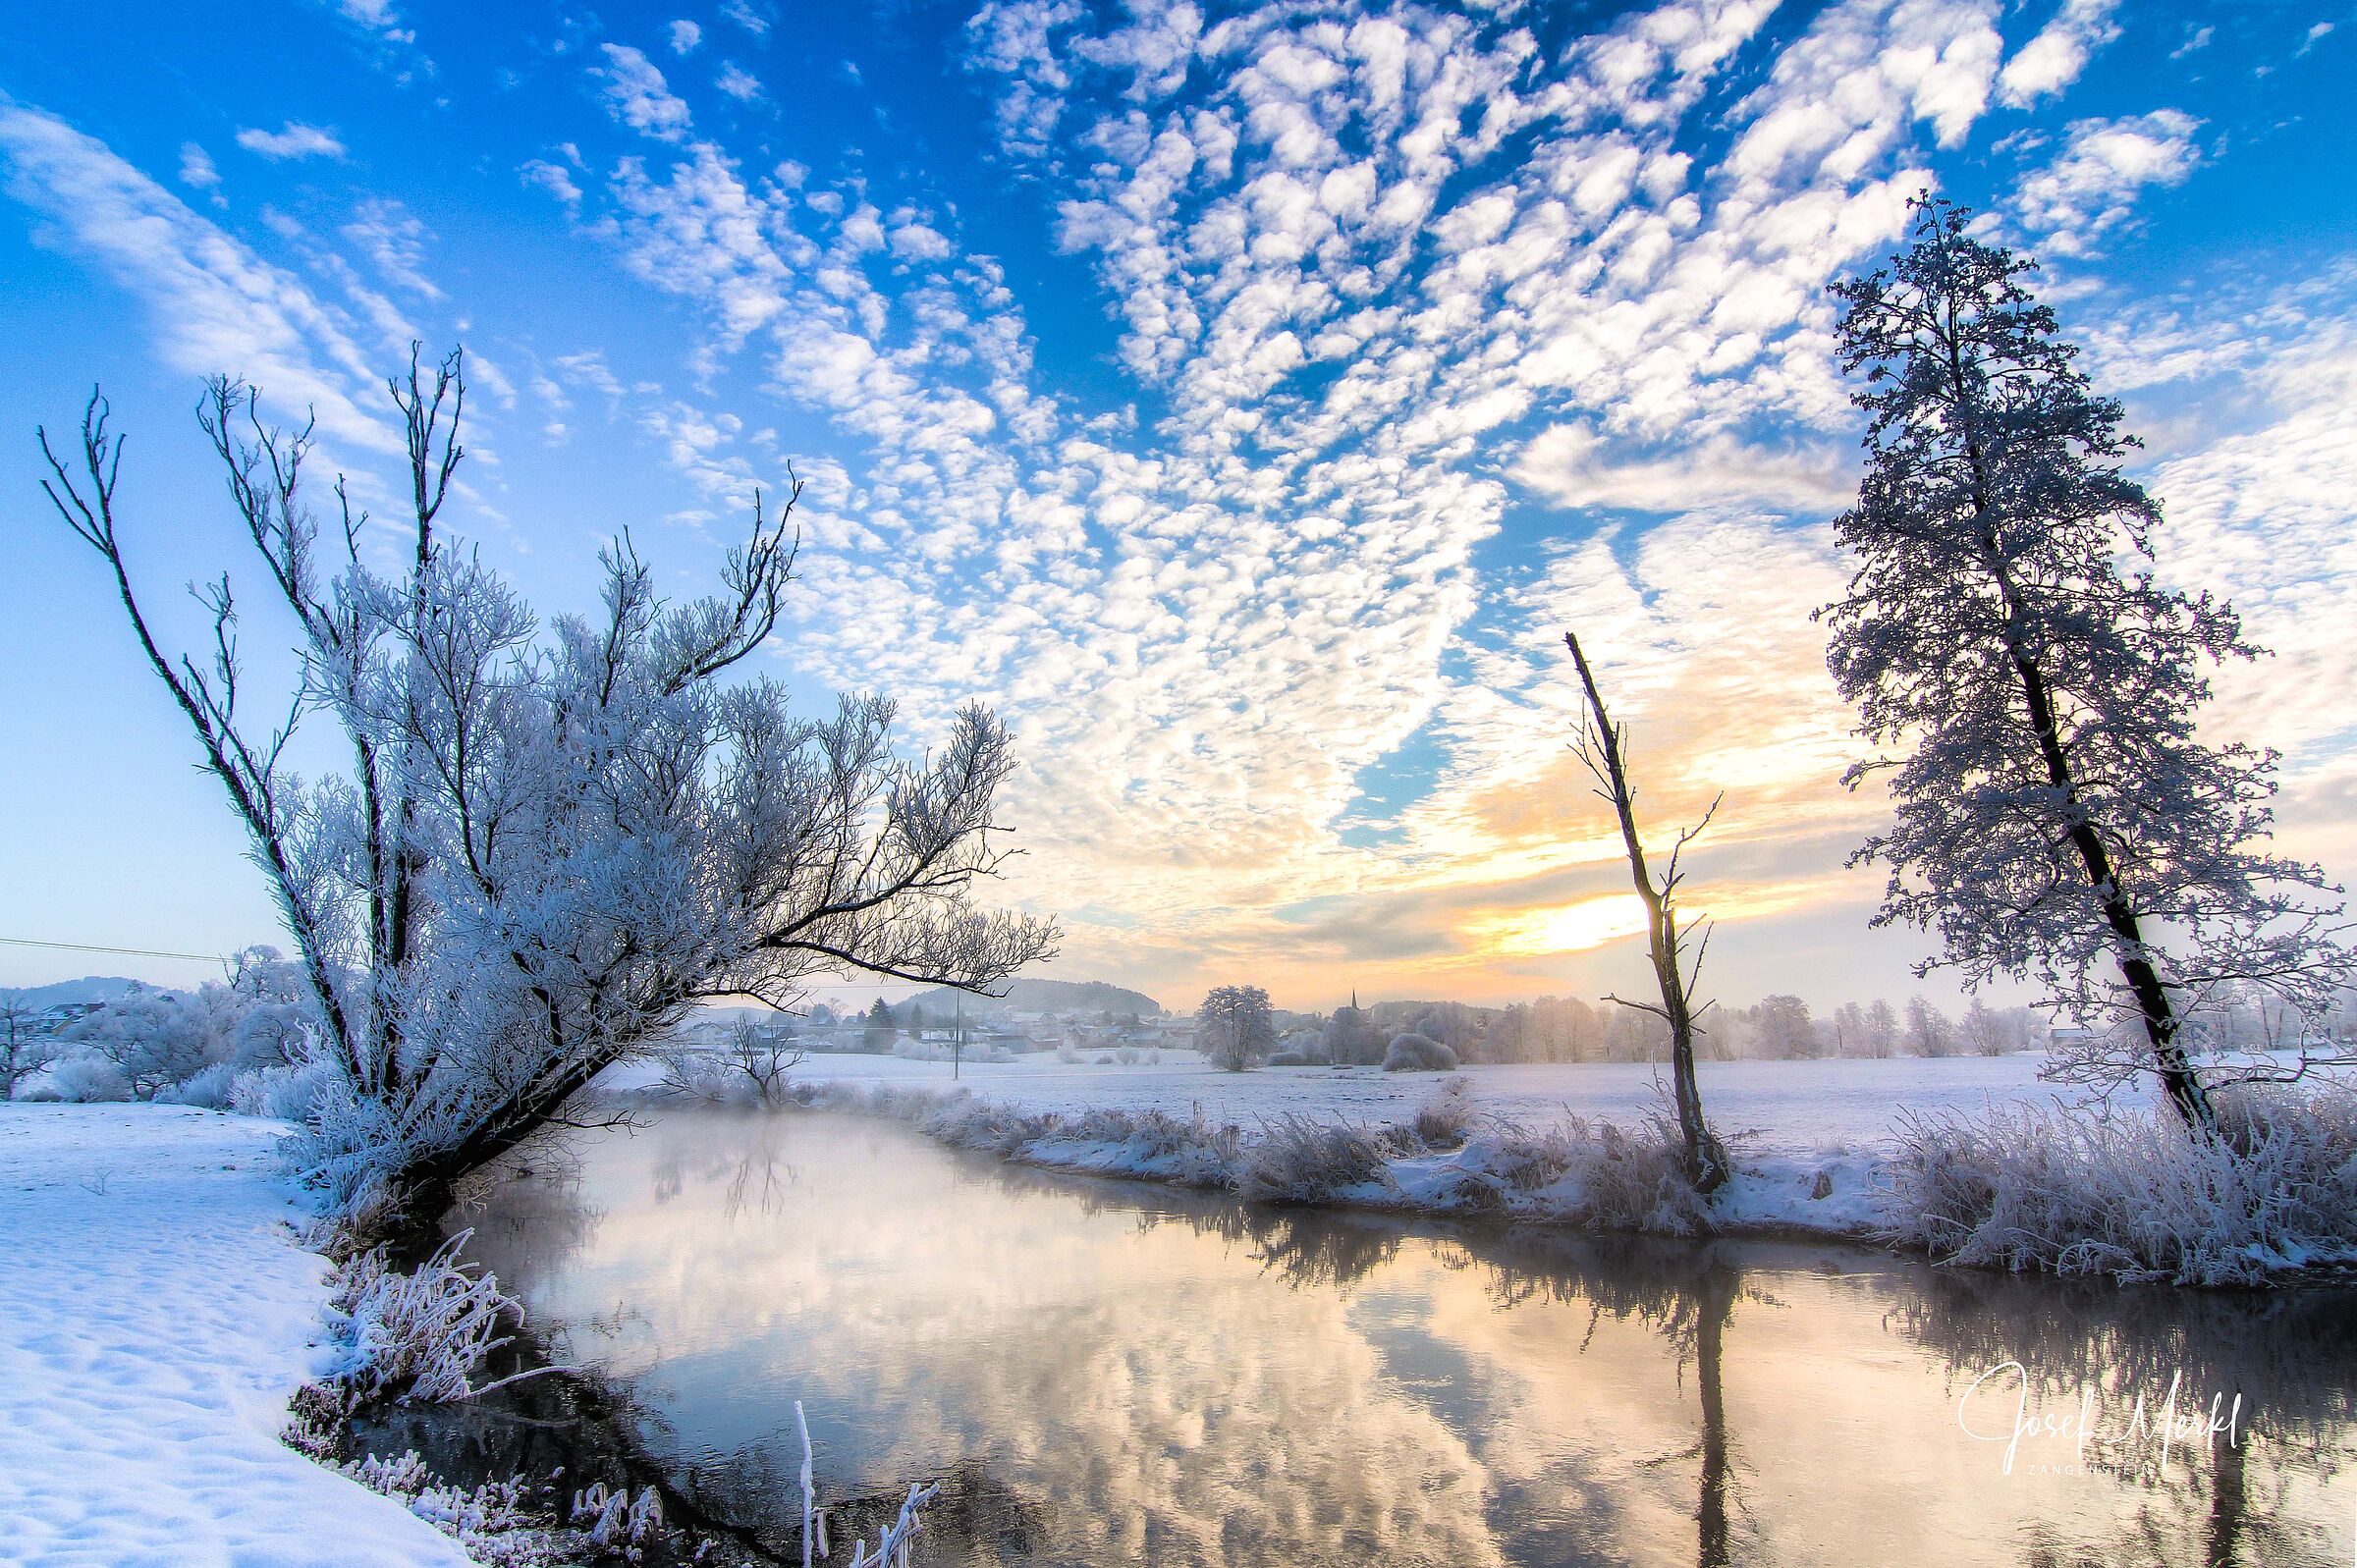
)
(2053, 59)
(737, 82)
(2089, 188)
(215, 307)
(292, 140)
(1572, 467)
(754, 17)
(378, 16)
(395, 240)
(637, 95)
(197, 170)
(553, 177)
(684, 36)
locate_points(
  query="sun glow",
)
(1563, 928)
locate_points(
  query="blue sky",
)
(1245, 399)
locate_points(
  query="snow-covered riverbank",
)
(1896, 1153)
(156, 1312)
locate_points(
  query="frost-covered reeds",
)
(1298, 1159)
(415, 1338)
(1447, 1156)
(1598, 1174)
(2132, 1195)
(893, 1544)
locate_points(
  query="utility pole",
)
(957, 1042)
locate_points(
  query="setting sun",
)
(1565, 928)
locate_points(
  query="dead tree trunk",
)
(1600, 748)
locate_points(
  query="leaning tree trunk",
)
(2162, 1026)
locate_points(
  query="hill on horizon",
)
(1043, 995)
(90, 988)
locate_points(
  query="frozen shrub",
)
(1592, 1174)
(209, 1087)
(750, 1067)
(1287, 1059)
(86, 1079)
(497, 1522)
(613, 1520)
(2132, 1195)
(1446, 1115)
(981, 1124)
(420, 1336)
(1418, 1054)
(1295, 1160)
(286, 1094)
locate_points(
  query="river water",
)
(1108, 1372)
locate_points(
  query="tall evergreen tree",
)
(2057, 816)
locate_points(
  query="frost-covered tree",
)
(2057, 816)
(1881, 1038)
(1784, 1029)
(1986, 1031)
(1233, 1027)
(752, 1063)
(26, 1047)
(1352, 1039)
(547, 842)
(162, 1041)
(1929, 1032)
(1669, 940)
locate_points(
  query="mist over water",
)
(1110, 1373)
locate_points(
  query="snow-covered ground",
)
(1796, 1109)
(156, 1312)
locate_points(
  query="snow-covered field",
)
(1796, 1109)
(155, 1315)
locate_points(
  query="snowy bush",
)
(1598, 1174)
(286, 1094)
(415, 1338)
(1296, 1160)
(751, 1066)
(1446, 1115)
(1287, 1059)
(209, 1087)
(2132, 1195)
(1418, 1054)
(982, 1124)
(86, 1079)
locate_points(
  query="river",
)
(1110, 1373)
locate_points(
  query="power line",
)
(133, 952)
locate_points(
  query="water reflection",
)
(1113, 1373)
